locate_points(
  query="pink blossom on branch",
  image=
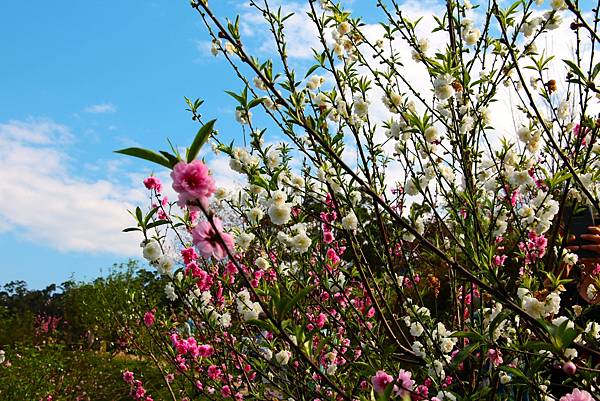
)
(380, 381)
(153, 183)
(206, 239)
(577, 395)
(149, 319)
(193, 183)
(405, 383)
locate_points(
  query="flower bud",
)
(569, 368)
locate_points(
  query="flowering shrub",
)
(404, 242)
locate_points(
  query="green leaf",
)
(497, 320)
(467, 334)
(172, 159)
(295, 299)
(157, 223)
(464, 353)
(595, 71)
(255, 102)
(200, 139)
(150, 214)
(311, 70)
(575, 68)
(515, 372)
(146, 155)
(130, 229)
(138, 215)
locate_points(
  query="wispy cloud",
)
(46, 201)
(101, 108)
(43, 201)
(300, 32)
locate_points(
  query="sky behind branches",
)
(78, 81)
(82, 79)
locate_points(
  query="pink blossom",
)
(206, 239)
(499, 260)
(569, 368)
(189, 255)
(205, 351)
(193, 183)
(577, 395)
(495, 356)
(140, 391)
(128, 377)
(153, 183)
(328, 237)
(405, 383)
(149, 319)
(226, 391)
(380, 381)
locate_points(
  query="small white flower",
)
(416, 329)
(152, 250)
(255, 215)
(278, 197)
(262, 263)
(283, 357)
(170, 292)
(552, 303)
(260, 84)
(355, 197)
(593, 329)
(570, 353)
(242, 116)
(225, 319)
(418, 349)
(569, 258)
(534, 307)
(244, 239)
(300, 243)
(280, 214)
(230, 48)
(504, 377)
(165, 265)
(431, 134)
(344, 28)
(315, 82)
(221, 193)
(563, 111)
(471, 36)
(350, 222)
(361, 107)
(266, 353)
(591, 291)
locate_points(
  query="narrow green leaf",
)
(311, 70)
(200, 139)
(172, 159)
(292, 302)
(157, 223)
(146, 155)
(255, 102)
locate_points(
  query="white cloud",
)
(40, 131)
(45, 201)
(41, 201)
(101, 108)
(300, 32)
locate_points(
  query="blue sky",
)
(79, 80)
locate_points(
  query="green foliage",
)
(90, 347)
